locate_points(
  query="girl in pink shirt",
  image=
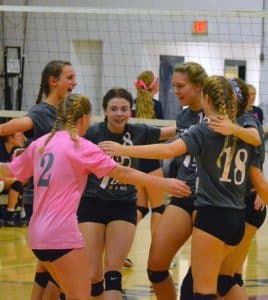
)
(60, 163)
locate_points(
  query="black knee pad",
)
(41, 278)
(62, 296)
(51, 279)
(225, 283)
(159, 209)
(17, 186)
(187, 286)
(238, 279)
(204, 297)
(143, 210)
(97, 288)
(113, 281)
(157, 276)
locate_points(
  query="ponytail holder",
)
(141, 84)
(236, 89)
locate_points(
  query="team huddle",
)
(86, 187)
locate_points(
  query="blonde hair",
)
(144, 100)
(71, 109)
(220, 91)
(196, 73)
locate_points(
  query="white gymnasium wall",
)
(114, 63)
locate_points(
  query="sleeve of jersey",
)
(22, 166)
(256, 159)
(249, 121)
(194, 139)
(35, 114)
(96, 161)
(91, 134)
(152, 134)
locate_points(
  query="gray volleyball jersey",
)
(108, 188)
(43, 116)
(248, 119)
(222, 185)
(184, 167)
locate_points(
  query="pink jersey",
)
(60, 175)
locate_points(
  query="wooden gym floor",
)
(17, 265)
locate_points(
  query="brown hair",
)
(53, 68)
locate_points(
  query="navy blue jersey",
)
(4, 155)
(222, 184)
(258, 113)
(134, 134)
(43, 116)
(158, 109)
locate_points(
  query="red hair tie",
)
(140, 84)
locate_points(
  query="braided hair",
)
(70, 110)
(220, 91)
(53, 68)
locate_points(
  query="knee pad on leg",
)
(17, 186)
(238, 279)
(113, 281)
(62, 296)
(97, 288)
(204, 297)
(143, 210)
(157, 276)
(187, 286)
(225, 283)
(159, 209)
(41, 278)
(51, 279)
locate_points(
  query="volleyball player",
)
(12, 187)
(230, 283)
(107, 212)
(249, 131)
(57, 80)
(147, 107)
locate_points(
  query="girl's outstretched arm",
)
(4, 171)
(168, 132)
(173, 186)
(155, 151)
(21, 124)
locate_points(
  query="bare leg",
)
(119, 239)
(72, 273)
(172, 232)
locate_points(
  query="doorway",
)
(168, 100)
